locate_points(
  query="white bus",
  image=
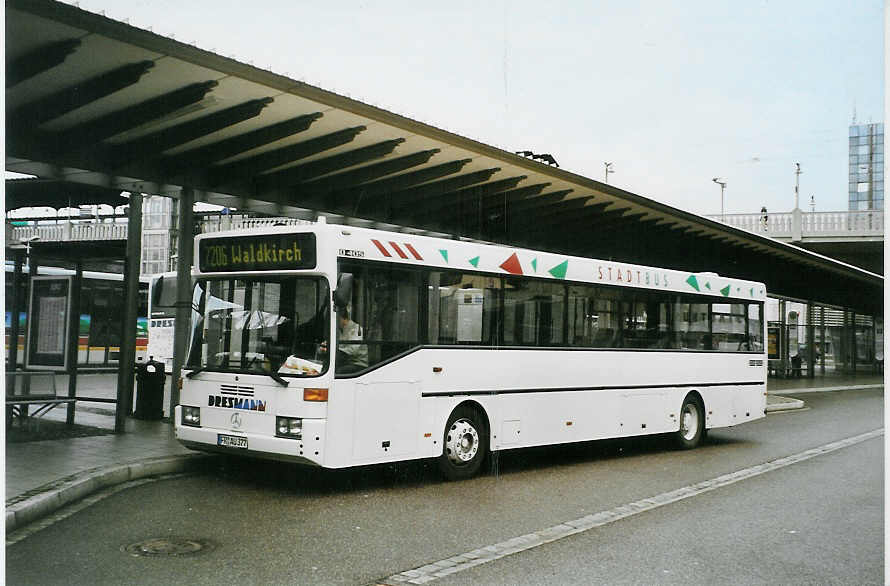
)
(547, 349)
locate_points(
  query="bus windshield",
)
(264, 325)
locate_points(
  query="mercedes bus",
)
(338, 346)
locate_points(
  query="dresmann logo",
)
(233, 403)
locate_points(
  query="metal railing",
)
(812, 224)
(235, 223)
(65, 232)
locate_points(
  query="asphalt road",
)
(816, 521)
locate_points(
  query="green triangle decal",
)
(444, 254)
(708, 285)
(752, 291)
(559, 271)
(726, 291)
(535, 264)
(693, 282)
(475, 261)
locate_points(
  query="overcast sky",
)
(673, 93)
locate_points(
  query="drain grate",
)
(167, 546)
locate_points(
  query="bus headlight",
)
(191, 416)
(290, 427)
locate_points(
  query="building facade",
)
(866, 167)
(158, 234)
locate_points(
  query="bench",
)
(25, 389)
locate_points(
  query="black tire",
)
(464, 444)
(692, 424)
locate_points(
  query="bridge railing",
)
(87, 230)
(64, 232)
(812, 224)
(223, 223)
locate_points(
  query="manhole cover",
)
(167, 546)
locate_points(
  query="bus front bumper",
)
(307, 450)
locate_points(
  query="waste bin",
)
(150, 390)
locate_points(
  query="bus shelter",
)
(60, 322)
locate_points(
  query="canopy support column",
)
(15, 312)
(185, 249)
(127, 360)
(811, 339)
(74, 339)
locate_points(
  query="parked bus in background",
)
(338, 346)
(161, 318)
(99, 334)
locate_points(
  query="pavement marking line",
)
(471, 559)
(40, 524)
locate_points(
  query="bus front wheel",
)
(692, 423)
(464, 444)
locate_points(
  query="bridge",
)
(855, 237)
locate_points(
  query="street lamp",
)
(722, 184)
(27, 242)
(609, 169)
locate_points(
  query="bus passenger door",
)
(386, 419)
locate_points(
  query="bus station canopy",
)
(97, 102)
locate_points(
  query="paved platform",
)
(43, 476)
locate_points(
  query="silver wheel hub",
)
(689, 422)
(461, 441)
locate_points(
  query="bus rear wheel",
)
(692, 423)
(464, 444)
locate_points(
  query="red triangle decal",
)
(512, 266)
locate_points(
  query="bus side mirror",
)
(163, 292)
(343, 292)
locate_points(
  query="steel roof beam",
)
(76, 96)
(543, 200)
(39, 60)
(456, 199)
(615, 223)
(578, 221)
(508, 198)
(84, 135)
(623, 227)
(354, 197)
(418, 195)
(155, 143)
(487, 222)
(294, 175)
(576, 206)
(250, 166)
(321, 187)
(230, 147)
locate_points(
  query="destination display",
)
(264, 252)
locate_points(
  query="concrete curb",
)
(827, 389)
(783, 404)
(52, 496)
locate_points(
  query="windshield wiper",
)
(273, 375)
(277, 378)
(196, 371)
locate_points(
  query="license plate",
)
(231, 441)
